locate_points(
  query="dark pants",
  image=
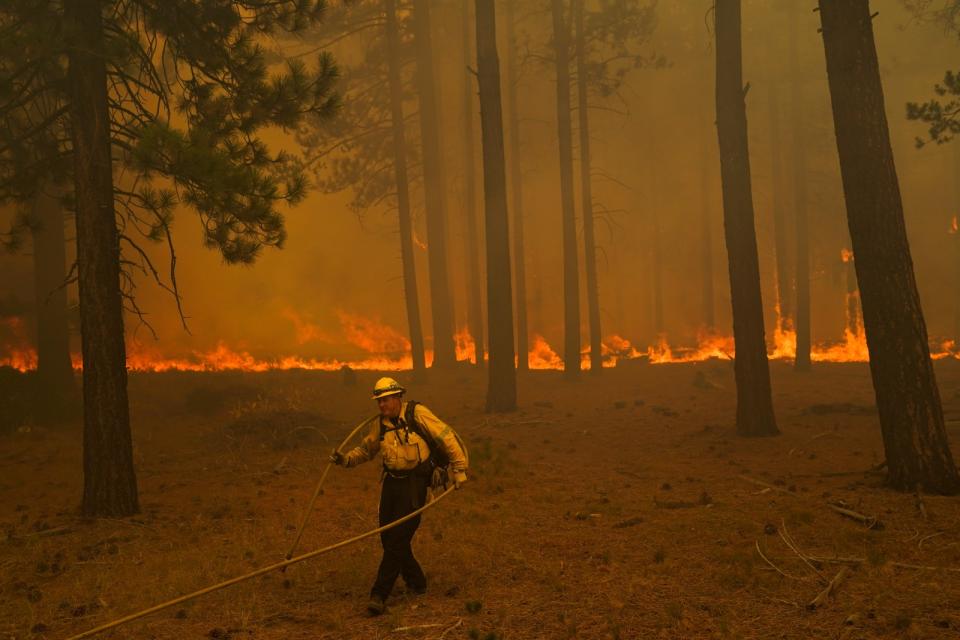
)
(399, 497)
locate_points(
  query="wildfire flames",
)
(387, 349)
(954, 228)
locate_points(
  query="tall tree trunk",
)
(908, 401)
(109, 480)
(706, 241)
(657, 271)
(853, 297)
(784, 286)
(441, 306)
(516, 185)
(955, 230)
(802, 271)
(589, 241)
(411, 295)
(754, 403)
(571, 270)
(474, 279)
(502, 385)
(54, 369)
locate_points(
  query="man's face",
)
(389, 406)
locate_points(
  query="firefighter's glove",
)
(439, 479)
(337, 458)
(459, 479)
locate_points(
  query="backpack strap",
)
(410, 418)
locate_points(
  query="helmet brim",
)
(384, 394)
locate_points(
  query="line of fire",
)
(645, 315)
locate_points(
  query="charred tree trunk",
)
(706, 243)
(908, 401)
(109, 480)
(411, 295)
(502, 385)
(784, 288)
(441, 306)
(955, 230)
(571, 277)
(754, 403)
(853, 297)
(54, 369)
(474, 279)
(589, 241)
(802, 271)
(516, 184)
(657, 257)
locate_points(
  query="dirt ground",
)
(621, 506)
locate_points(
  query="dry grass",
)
(612, 508)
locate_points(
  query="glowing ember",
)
(846, 255)
(954, 228)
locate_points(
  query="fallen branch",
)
(451, 628)
(870, 523)
(761, 483)
(417, 626)
(899, 565)
(775, 567)
(787, 540)
(830, 588)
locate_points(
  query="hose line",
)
(258, 572)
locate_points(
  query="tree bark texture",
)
(516, 185)
(800, 214)
(706, 241)
(754, 404)
(441, 306)
(502, 385)
(410, 289)
(784, 284)
(586, 192)
(908, 400)
(472, 242)
(657, 271)
(54, 368)
(571, 277)
(109, 480)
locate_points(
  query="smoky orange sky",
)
(337, 283)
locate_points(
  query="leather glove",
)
(439, 479)
(459, 479)
(337, 458)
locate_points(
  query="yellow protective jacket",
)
(403, 448)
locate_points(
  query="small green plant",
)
(659, 555)
(474, 606)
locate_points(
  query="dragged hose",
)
(316, 492)
(278, 565)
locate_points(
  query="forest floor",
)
(620, 506)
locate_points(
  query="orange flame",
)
(954, 228)
(465, 345)
(542, 356)
(372, 335)
(17, 353)
(846, 255)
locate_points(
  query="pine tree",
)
(752, 371)
(176, 93)
(908, 399)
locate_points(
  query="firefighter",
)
(418, 450)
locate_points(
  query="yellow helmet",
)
(386, 387)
